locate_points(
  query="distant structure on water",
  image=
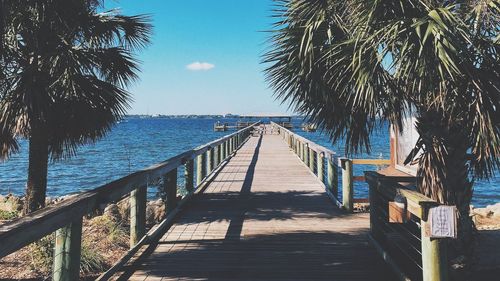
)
(247, 120)
(309, 127)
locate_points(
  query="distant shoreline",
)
(196, 116)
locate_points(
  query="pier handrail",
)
(65, 218)
(405, 246)
(320, 158)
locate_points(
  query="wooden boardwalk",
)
(265, 216)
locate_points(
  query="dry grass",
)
(104, 242)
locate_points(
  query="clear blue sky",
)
(224, 37)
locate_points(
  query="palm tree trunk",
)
(36, 186)
(444, 176)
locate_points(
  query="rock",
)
(483, 212)
(11, 203)
(112, 211)
(124, 209)
(361, 207)
(155, 211)
(495, 209)
(150, 217)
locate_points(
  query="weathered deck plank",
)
(264, 217)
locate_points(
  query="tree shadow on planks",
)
(265, 206)
(235, 207)
(284, 256)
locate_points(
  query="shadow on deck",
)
(263, 217)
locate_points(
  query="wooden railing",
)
(65, 218)
(320, 159)
(405, 246)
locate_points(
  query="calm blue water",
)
(137, 143)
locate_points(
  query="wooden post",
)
(347, 184)
(67, 252)
(375, 210)
(312, 155)
(137, 214)
(434, 258)
(332, 177)
(170, 182)
(306, 154)
(189, 175)
(216, 156)
(223, 152)
(210, 160)
(321, 174)
(204, 164)
(199, 169)
(301, 151)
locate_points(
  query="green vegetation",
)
(64, 69)
(42, 257)
(102, 235)
(5, 215)
(352, 64)
(114, 231)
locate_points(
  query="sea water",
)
(136, 143)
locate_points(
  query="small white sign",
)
(443, 222)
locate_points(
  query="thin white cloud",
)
(200, 66)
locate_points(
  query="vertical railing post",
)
(204, 166)
(319, 168)
(306, 154)
(312, 155)
(216, 155)
(228, 148)
(210, 160)
(434, 257)
(223, 151)
(137, 214)
(199, 169)
(347, 184)
(301, 151)
(189, 175)
(67, 252)
(170, 185)
(332, 176)
(375, 214)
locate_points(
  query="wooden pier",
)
(264, 216)
(260, 204)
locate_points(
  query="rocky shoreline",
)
(11, 207)
(105, 239)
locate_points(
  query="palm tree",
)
(352, 64)
(64, 70)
